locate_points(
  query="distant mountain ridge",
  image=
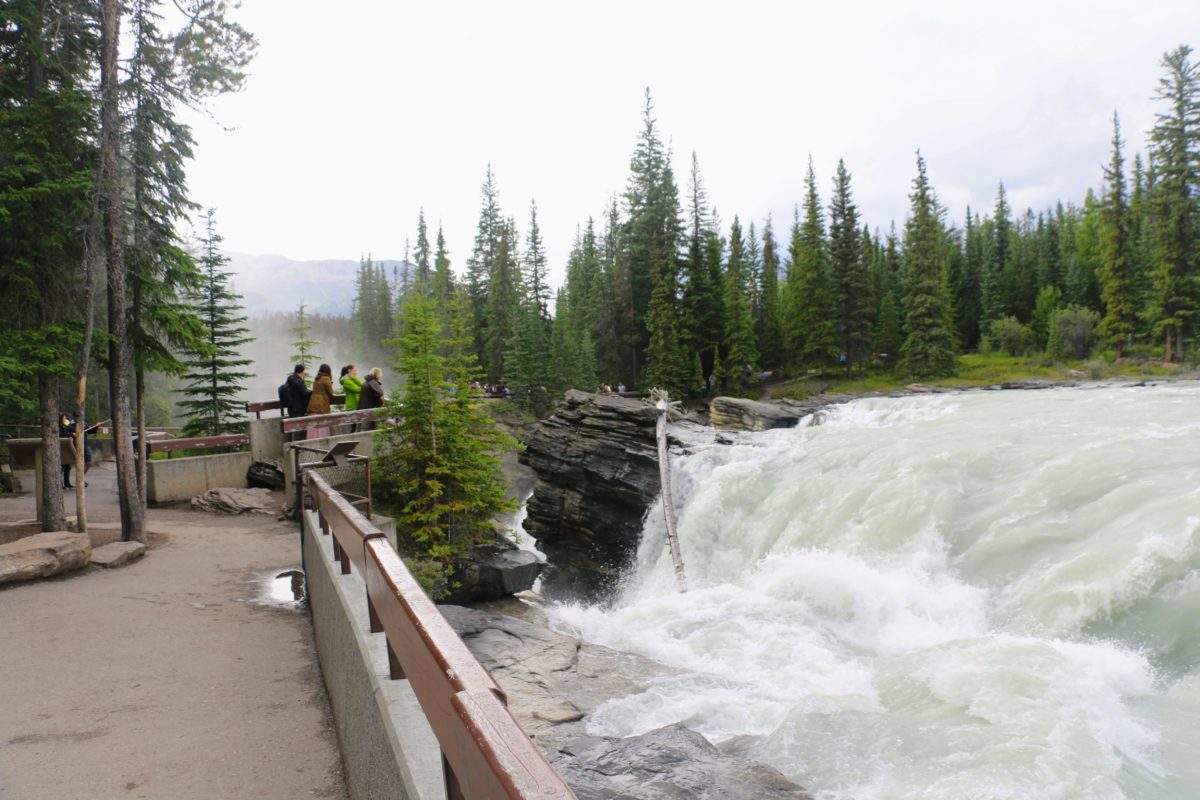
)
(270, 283)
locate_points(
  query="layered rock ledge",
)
(554, 682)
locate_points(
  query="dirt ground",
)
(186, 674)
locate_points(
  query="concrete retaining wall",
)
(388, 748)
(173, 480)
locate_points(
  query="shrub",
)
(1010, 335)
(1072, 333)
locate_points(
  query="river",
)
(974, 595)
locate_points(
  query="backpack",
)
(285, 398)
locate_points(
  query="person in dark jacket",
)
(372, 390)
(298, 393)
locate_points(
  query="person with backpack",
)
(294, 393)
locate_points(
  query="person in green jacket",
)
(351, 386)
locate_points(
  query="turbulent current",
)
(980, 595)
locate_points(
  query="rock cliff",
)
(597, 472)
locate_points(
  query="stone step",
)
(115, 554)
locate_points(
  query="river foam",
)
(979, 595)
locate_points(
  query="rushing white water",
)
(980, 595)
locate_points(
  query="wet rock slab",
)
(43, 555)
(553, 682)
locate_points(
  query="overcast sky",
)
(358, 113)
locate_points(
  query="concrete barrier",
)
(266, 438)
(388, 748)
(177, 479)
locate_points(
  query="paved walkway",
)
(177, 676)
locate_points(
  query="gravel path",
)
(178, 676)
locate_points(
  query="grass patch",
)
(984, 369)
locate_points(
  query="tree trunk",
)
(142, 464)
(133, 522)
(53, 518)
(85, 356)
(1167, 354)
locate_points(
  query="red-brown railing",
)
(485, 754)
(256, 408)
(305, 423)
(169, 446)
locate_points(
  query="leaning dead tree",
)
(662, 402)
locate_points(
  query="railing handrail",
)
(195, 443)
(485, 753)
(291, 424)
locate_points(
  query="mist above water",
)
(977, 595)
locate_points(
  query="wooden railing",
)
(169, 446)
(485, 754)
(256, 408)
(293, 424)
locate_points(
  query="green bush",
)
(1072, 333)
(1010, 335)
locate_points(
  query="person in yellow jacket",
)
(351, 386)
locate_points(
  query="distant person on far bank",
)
(620, 388)
(297, 392)
(351, 386)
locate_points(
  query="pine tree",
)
(535, 287)
(666, 361)
(740, 355)
(424, 276)
(439, 473)
(928, 350)
(701, 307)
(304, 346)
(1116, 255)
(810, 327)
(480, 264)
(1082, 286)
(503, 301)
(1175, 215)
(850, 282)
(443, 278)
(770, 331)
(216, 372)
(48, 159)
(998, 264)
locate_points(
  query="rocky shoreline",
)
(553, 682)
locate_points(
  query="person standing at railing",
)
(372, 394)
(297, 392)
(351, 386)
(321, 399)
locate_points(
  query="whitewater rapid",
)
(984, 595)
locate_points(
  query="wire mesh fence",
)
(347, 473)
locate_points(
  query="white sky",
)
(358, 113)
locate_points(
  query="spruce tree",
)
(443, 278)
(852, 301)
(738, 348)
(535, 287)
(994, 304)
(666, 364)
(770, 331)
(439, 473)
(810, 325)
(928, 350)
(216, 371)
(424, 276)
(480, 265)
(304, 347)
(1175, 214)
(1116, 255)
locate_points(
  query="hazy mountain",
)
(277, 283)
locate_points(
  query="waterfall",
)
(982, 594)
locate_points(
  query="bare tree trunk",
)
(142, 464)
(85, 356)
(133, 520)
(53, 518)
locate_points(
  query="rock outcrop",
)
(553, 682)
(492, 572)
(597, 472)
(43, 555)
(740, 414)
(235, 501)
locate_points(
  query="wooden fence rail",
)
(169, 446)
(485, 754)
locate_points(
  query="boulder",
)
(596, 461)
(116, 554)
(740, 414)
(553, 682)
(43, 554)
(235, 501)
(265, 474)
(670, 762)
(494, 572)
